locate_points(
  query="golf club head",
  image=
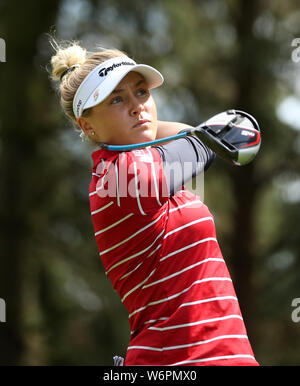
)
(233, 135)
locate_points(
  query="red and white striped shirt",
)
(163, 258)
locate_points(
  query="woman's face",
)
(128, 115)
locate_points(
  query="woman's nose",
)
(136, 107)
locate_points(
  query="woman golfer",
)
(156, 239)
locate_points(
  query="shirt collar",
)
(104, 154)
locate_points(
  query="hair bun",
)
(66, 58)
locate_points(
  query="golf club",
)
(233, 135)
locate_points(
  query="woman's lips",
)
(141, 122)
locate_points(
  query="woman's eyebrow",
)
(117, 90)
(140, 82)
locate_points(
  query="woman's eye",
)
(116, 100)
(142, 92)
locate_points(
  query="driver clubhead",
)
(234, 135)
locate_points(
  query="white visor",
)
(100, 82)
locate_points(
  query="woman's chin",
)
(145, 136)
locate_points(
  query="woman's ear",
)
(85, 125)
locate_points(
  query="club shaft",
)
(142, 145)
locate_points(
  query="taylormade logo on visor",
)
(105, 70)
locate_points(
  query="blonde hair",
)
(70, 65)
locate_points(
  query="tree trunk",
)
(21, 26)
(243, 180)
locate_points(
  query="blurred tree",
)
(21, 128)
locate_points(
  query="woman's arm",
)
(188, 155)
(166, 129)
